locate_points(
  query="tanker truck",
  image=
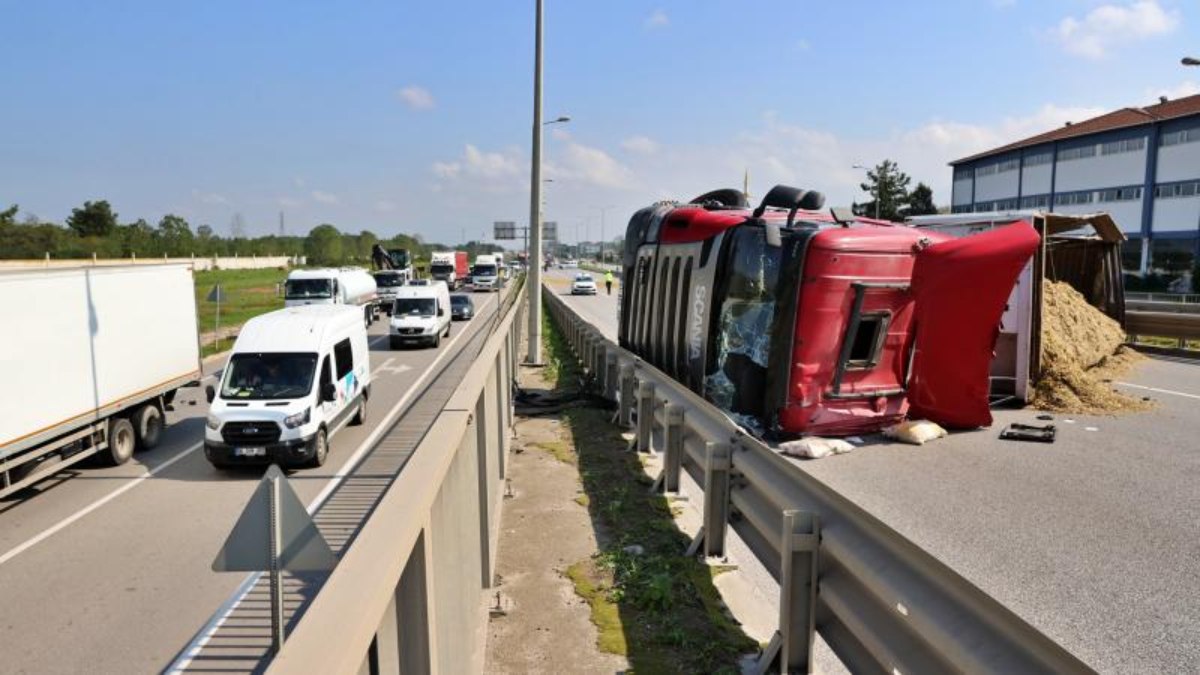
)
(333, 286)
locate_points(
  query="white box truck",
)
(333, 286)
(485, 275)
(92, 357)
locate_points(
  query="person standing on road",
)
(608, 279)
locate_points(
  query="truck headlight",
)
(299, 419)
(212, 422)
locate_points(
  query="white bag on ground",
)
(814, 447)
(917, 432)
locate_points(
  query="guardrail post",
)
(645, 414)
(625, 405)
(790, 650)
(674, 448)
(610, 376)
(716, 497)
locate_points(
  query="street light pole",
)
(534, 355)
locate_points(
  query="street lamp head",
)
(858, 166)
(560, 119)
(1190, 61)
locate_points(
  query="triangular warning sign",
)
(217, 294)
(248, 548)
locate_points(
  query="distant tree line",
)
(95, 228)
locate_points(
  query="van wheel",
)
(121, 441)
(437, 340)
(447, 330)
(148, 423)
(322, 449)
(360, 415)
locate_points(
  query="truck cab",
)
(485, 276)
(387, 282)
(420, 315)
(295, 377)
(332, 286)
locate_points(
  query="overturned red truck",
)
(799, 321)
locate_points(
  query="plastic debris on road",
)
(916, 432)
(814, 447)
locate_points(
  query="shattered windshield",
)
(303, 289)
(737, 381)
(269, 376)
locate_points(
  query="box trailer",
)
(1081, 250)
(91, 359)
(451, 267)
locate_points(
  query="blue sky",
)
(414, 117)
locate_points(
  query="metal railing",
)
(408, 596)
(879, 601)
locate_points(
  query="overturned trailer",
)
(1081, 250)
(795, 321)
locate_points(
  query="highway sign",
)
(505, 229)
(550, 231)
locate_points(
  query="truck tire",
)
(148, 423)
(122, 439)
(322, 449)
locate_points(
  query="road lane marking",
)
(1156, 389)
(226, 610)
(66, 522)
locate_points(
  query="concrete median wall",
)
(199, 264)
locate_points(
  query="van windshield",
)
(415, 307)
(304, 289)
(268, 376)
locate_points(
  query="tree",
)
(9, 216)
(176, 235)
(95, 219)
(323, 245)
(204, 231)
(888, 185)
(920, 201)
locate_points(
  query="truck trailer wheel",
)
(121, 441)
(148, 423)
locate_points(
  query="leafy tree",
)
(920, 201)
(176, 235)
(888, 186)
(323, 245)
(95, 219)
(9, 215)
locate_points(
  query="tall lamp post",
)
(877, 190)
(534, 355)
(602, 209)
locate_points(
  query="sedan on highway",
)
(584, 284)
(461, 307)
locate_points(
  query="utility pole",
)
(281, 230)
(534, 356)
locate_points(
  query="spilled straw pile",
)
(1082, 350)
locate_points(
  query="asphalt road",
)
(1094, 539)
(108, 570)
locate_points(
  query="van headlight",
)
(212, 422)
(299, 419)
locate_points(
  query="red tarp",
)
(960, 288)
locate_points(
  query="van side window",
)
(344, 357)
(326, 377)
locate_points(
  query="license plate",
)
(250, 452)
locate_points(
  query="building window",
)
(1005, 204)
(963, 174)
(984, 206)
(1121, 194)
(985, 170)
(1182, 136)
(1040, 158)
(1177, 190)
(1035, 202)
(960, 208)
(1069, 198)
(1127, 145)
(1076, 153)
(1009, 165)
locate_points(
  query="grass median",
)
(248, 293)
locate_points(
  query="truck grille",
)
(409, 331)
(250, 433)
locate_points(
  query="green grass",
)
(248, 293)
(658, 608)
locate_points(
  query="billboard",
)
(549, 231)
(505, 229)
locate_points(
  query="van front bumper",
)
(295, 452)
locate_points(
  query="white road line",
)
(226, 610)
(65, 522)
(1156, 389)
(382, 366)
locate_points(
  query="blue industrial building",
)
(1142, 165)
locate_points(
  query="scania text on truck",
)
(93, 371)
(295, 377)
(333, 286)
(451, 267)
(485, 274)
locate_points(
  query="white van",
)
(420, 314)
(294, 378)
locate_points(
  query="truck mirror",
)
(209, 392)
(441, 312)
(328, 392)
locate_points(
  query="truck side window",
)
(345, 358)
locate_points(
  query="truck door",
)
(959, 290)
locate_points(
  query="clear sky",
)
(415, 116)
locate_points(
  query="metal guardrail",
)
(879, 601)
(1192, 298)
(1185, 326)
(408, 595)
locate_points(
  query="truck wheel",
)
(148, 423)
(322, 448)
(121, 441)
(360, 416)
